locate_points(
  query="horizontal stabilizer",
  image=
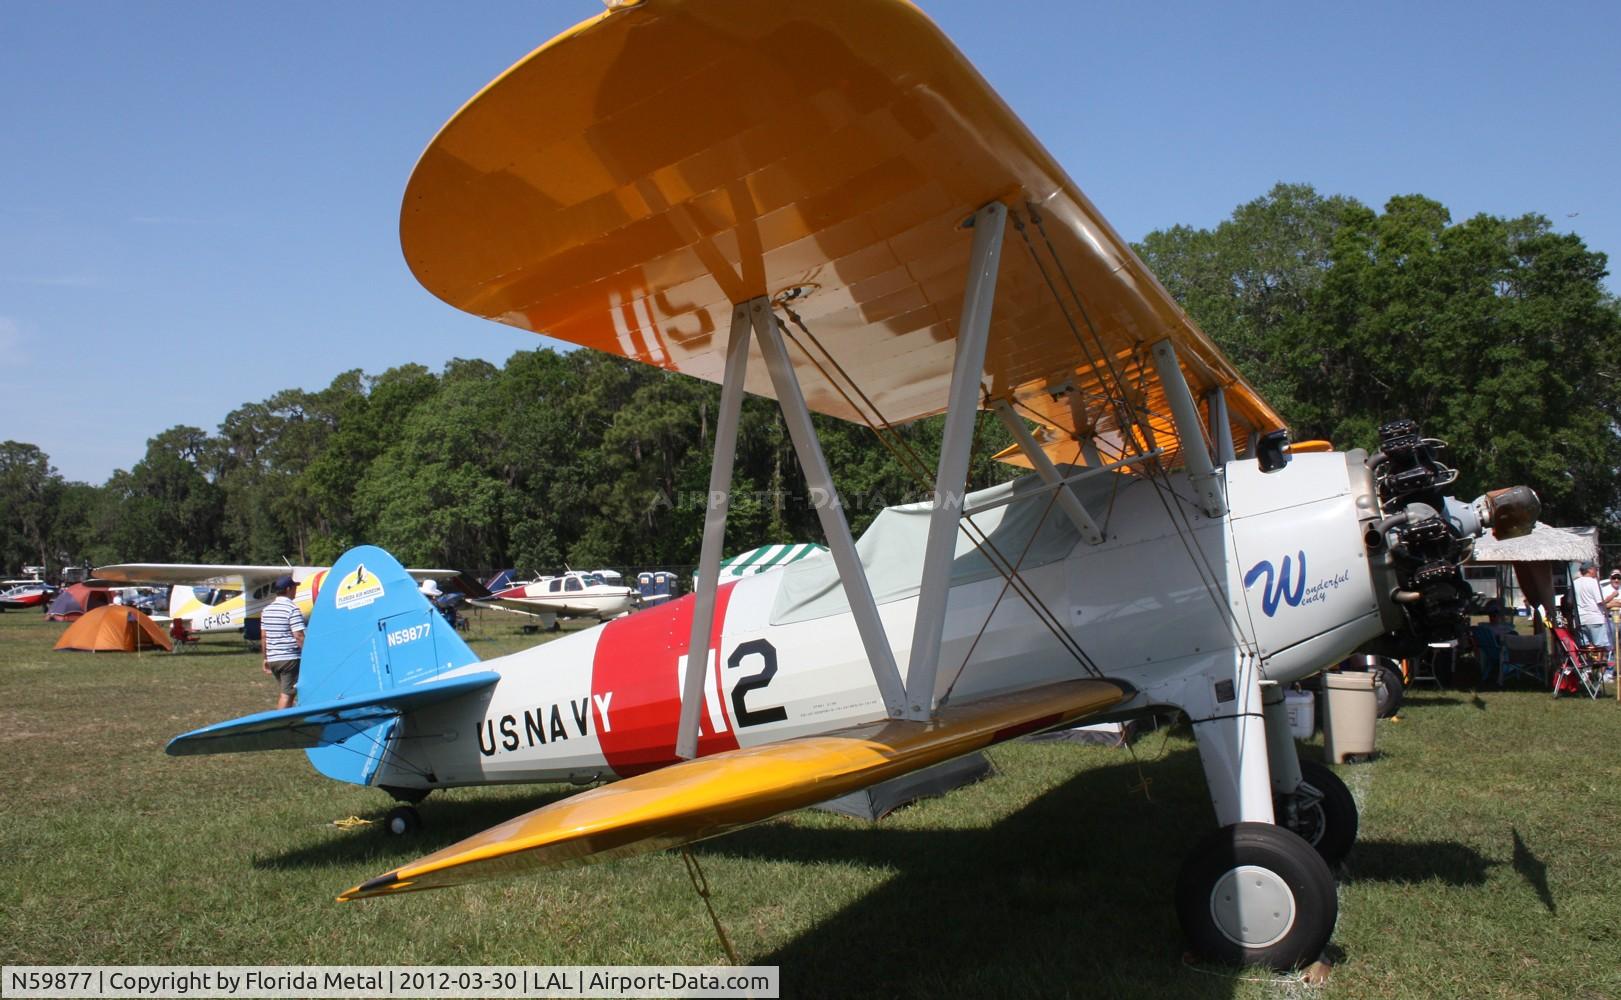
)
(713, 795)
(304, 726)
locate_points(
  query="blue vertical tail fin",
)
(370, 630)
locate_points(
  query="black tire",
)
(1292, 899)
(1325, 816)
(402, 821)
(1388, 688)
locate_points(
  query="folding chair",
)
(1424, 668)
(181, 635)
(1489, 654)
(1525, 656)
(1581, 667)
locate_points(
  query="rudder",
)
(371, 630)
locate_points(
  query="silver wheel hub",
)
(1252, 907)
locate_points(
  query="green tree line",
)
(1495, 334)
(554, 459)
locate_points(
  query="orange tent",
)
(113, 628)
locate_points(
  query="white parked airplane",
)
(823, 202)
(573, 594)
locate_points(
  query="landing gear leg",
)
(1307, 797)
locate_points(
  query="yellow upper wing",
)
(627, 182)
(713, 795)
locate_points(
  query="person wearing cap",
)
(1592, 610)
(281, 632)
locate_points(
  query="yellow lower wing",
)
(715, 795)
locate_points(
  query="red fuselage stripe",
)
(636, 675)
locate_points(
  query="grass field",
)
(1487, 865)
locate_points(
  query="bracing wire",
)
(890, 437)
(1155, 472)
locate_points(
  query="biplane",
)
(822, 202)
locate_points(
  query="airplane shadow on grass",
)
(1071, 894)
(1075, 888)
(1534, 870)
(444, 822)
(1412, 862)
(1432, 699)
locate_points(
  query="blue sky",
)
(199, 201)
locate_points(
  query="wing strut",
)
(757, 313)
(1085, 429)
(951, 478)
(825, 497)
(1221, 428)
(1067, 500)
(717, 500)
(1185, 414)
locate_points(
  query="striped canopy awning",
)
(763, 558)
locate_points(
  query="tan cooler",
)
(1350, 708)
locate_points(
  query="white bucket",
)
(1302, 709)
(1348, 715)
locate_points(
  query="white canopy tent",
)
(1541, 564)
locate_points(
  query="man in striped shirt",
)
(281, 634)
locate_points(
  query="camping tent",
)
(113, 628)
(76, 600)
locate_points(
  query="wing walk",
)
(630, 181)
(713, 795)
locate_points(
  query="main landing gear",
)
(1260, 890)
(1321, 811)
(1256, 894)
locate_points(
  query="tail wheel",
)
(402, 821)
(1256, 894)
(1323, 813)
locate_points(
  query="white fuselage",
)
(1169, 596)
